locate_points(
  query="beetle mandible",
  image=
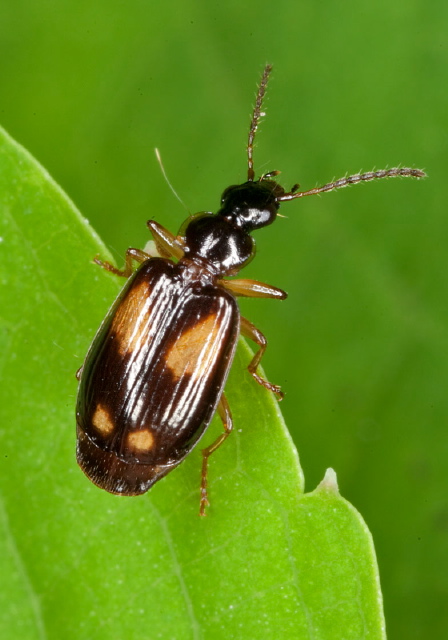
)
(155, 372)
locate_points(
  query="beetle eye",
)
(226, 192)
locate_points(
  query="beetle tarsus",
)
(204, 502)
(109, 267)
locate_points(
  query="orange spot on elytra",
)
(102, 421)
(126, 326)
(140, 441)
(191, 352)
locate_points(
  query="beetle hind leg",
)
(226, 416)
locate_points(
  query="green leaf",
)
(267, 562)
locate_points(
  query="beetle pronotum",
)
(155, 372)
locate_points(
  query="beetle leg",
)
(131, 254)
(250, 331)
(255, 289)
(226, 416)
(167, 244)
(252, 289)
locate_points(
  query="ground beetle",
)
(155, 372)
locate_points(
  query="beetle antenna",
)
(405, 172)
(257, 114)
(162, 169)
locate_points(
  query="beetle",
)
(155, 372)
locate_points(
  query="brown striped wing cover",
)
(153, 377)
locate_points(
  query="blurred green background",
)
(90, 88)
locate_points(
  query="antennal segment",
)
(162, 169)
(404, 172)
(255, 120)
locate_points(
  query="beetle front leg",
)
(250, 331)
(226, 416)
(252, 289)
(166, 244)
(131, 254)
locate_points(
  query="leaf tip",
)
(329, 482)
